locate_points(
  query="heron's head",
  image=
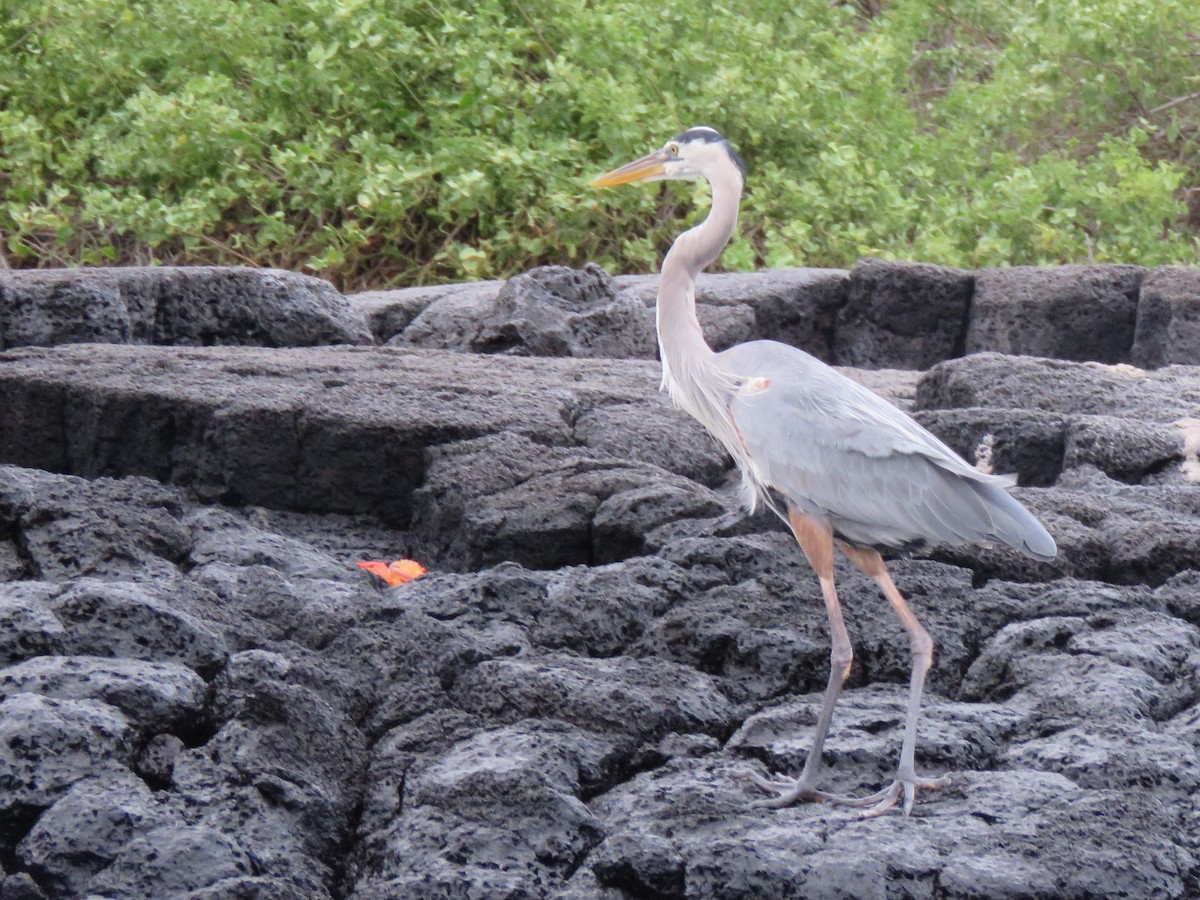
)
(699, 152)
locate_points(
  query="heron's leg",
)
(921, 643)
(815, 537)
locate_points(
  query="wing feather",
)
(836, 449)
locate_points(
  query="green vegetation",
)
(395, 141)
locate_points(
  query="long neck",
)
(680, 339)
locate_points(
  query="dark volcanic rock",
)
(1131, 424)
(1066, 312)
(552, 311)
(46, 745)
(62, 527)
(684, 827)
(1005, 441)
(502, 497)
(204, 699)
(902, 315)
(172, 861)
(495, 811)
(645, 698)
(136, 621)
(153, 696)
(1049, 385)
(388, 313)
(305, 430)
(1168, 318)
(27, 627)
(87, 827)
(169, 305)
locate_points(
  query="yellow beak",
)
(638, 170)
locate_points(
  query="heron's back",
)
(837, 450)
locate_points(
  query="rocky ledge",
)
(202, 696)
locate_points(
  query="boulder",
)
(1047, 385)
(134, 621)
(1083, 312)
(154, 696)
(502, 497)
(551, 311)
(902, 315)
(1168, 319)
(86, 828)
(46, 745)
(644, 698)
(64, 527)
(389, 312)
(27, 626)
(199, 305)
(172, 861)
(503, 802)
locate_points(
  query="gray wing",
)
(836, 449)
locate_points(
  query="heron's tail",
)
(1014, 525)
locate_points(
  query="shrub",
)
(399, 141)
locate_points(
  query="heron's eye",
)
(673, 149)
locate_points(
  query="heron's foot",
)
(905, 786)
(785, 791)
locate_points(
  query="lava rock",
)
(551, 311)
(654, 434)
(1047, 385)
(263, 710)
(172, 860)
(902, 315)
(46, 745)
(293, 431)
(502, 803)
(68, 527)
(86, 828)
(290, 726)
(136, 621)
(1168, 318)
(154, 696)
(647, 698)
(1004, 441)
(1065, 312)
(388, 313)
(27, 626)
(502, 497)
(1121, 756)
(767, 631)
(169, 305)
(693, 816)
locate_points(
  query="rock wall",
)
(202, 696)
(878, 315)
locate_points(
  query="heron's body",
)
(836, 450)
(839, 463)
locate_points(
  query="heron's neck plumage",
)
(691, 372)
(681, 343)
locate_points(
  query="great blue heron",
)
(838, 463)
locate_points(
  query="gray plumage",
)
(835, 449)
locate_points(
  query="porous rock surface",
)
(202, 696)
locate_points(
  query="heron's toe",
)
(904, 788)
(783, 791)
